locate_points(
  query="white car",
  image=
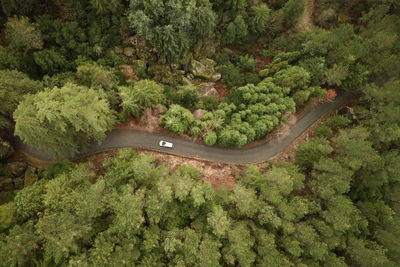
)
(166, 144)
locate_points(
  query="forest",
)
(220, 72)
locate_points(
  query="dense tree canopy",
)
(63, 120)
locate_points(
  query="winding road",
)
(137, 139)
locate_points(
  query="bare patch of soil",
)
(305, 22)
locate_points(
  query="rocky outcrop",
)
(6, 184)
(205, 68)
(208, 89)
(198, 113)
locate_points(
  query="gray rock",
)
(128, 51)
(6, 184)
(216, 77)
(17, 168)
(207, 89)
(6, 150)
(204, 68)
(187, 81)
(198, 113)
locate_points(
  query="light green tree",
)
(63, 120)
(143, 94)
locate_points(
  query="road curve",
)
(137, 139)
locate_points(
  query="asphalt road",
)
(137, 139)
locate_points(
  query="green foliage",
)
(13, 86)
(323, 131)
(310, 152)
(265, 53)
(259, 18)
(293, 77)
(22, 35)
(301, 97)
(172, 26)
(7, 216)
(292, 11)
(177, 119)
(338, 122)
(231, 75)
(28, 201)
(50, 61)
(210, 102)
(236, 31)
(246, 63)
(210, 138)
(140, 96)
(188, 96)
(63, 120)
(94, 75)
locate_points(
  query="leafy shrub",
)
(210, 102)
(141, 73)
(210, 138)
(323, 131)
(7, 216)
(28, 201)
(53, 170)
(143, 94)
(222, 58)
(188, 96)
(252, 78)
(177, 119)
(301, 97)
(246, 63)
(338, 122)
(231, 75)
(195, 131)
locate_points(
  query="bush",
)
(141, 73)
(53, 170)
(222, 58)
(188, 96)
(252, 78)
(323, 131)
(301, 97)
(28, 201)
(143, 94)
(246, 63)
(231, 75)
(210, 103)
(7, 216)
(177, 119)
(338, 122)
(210, 138)
(195, 131)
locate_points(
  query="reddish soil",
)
(223, 92)
(262, 63)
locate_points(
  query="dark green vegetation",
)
(179, 49)
(70, 70)
(337, 206)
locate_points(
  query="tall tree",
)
(63, 120)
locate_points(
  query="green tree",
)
(142, 95)
(259, 18)
(210, 138)
(292, 11)
(28, 201)
(22, 35)
(236, 31)
(310, 152)
(13, 86)
(63, 120)
(189, 96)
(177, 119)
(172, 26)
